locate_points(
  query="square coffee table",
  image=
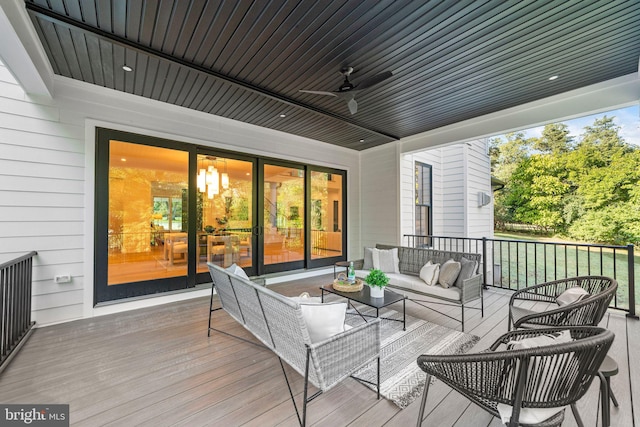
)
(363, 296)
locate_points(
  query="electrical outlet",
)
(63, 278)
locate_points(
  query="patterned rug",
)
(401, 380)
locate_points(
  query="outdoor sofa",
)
(404, 273)
(309, 337)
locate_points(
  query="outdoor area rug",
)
(401, 380)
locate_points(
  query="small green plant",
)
(377, 278)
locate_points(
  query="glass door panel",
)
(147, 191)
(283, 239)
(326, 215)
(225, 214)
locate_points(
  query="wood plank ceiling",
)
(246, 60)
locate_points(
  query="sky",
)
(627, 118)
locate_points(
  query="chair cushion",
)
(430, 273)
(386, 260)
(237, 270)
(572, 295)
(527, 415)
(540, 341)
(323, 320)
(467, 270)
(449, 273)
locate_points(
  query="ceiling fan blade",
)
(317, 92)
(353, 106)
(374, 80)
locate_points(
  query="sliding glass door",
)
(226, 218)
(165, 209)
(282, 236)
(141, 229)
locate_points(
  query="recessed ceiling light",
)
(362, 140)
(283, 115)
(123, 159)
(127, 68)
(553, 77)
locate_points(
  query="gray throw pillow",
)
(368, 259)
(467, 269)
(449, 273)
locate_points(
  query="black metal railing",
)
(15, 302)
(515, 264)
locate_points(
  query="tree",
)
(555, 139)
(587, 189)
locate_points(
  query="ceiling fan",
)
(347, 90)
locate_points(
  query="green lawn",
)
(523, 263)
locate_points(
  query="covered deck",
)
(156, 367)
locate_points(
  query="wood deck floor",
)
(156, 367)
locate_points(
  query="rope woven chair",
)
(586, 312)
(550, 376)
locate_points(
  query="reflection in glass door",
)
(225, 217)
(147, 192)
(283, 216)
(326, 215)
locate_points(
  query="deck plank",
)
(156, 366)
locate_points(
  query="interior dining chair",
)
(533, 384)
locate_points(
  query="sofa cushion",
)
(323, 320)
(386, 260)
(467, 270)
(449, 272)
(237, 270)
(368, 259)
(306, 298)
(416, 284)
(429, 273)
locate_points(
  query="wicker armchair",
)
(551, 376)
(586, 312)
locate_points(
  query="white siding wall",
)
(42, 197)
(380, 196)
(433, 158)
(480, 219)
(47, 169)
(460, 171)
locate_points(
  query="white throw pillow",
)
(305, 297)
(572, 295)
(237, 270)
(449, 273)
(533, 415)
(540, 341)
(324, 320)
(527, 415)
(429, 273)
(386, 260)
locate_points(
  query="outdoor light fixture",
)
(127, 68)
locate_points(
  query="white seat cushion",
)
(414, 283)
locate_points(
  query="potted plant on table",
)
(377, 280)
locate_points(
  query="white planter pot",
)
(376, 292)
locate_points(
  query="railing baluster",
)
(15, 303)
(511, 267)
